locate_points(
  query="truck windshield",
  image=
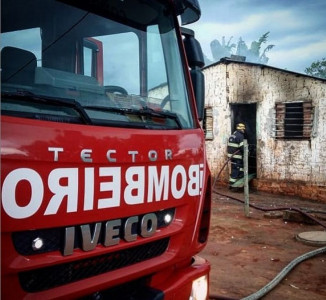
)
(118, 61)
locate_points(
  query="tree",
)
(220, 50)
(252, 54)
(317, 68)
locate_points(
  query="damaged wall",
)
(293, 167)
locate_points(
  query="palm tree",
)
(252, 54)
(221, 50)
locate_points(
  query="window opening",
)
(208, 123)
(293, 120)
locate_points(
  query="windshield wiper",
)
(70, 103)
(147, 111)
(144, 111)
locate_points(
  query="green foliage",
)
(223, 49)
(252, 54)
(317, 68)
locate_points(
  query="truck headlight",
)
(199, 289)
(37, 244)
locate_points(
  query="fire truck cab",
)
(105, 186)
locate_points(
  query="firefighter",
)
(235, 153)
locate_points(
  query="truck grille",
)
(132, 290)
(53, 238)
(50, 277)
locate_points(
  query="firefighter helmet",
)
(241, 126)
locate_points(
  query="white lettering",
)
(134, 192)
(112, 186)
(109, 157)
(152, 155)
(193, 183)
(178, 171)
(133, 155)
(69, 191)
(159, 185)
(168, 154)
(101, 188)
(56, 151)
(85, 155)
(10, 183)
(89, 189)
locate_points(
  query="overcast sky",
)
(297, 28)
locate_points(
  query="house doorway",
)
(246, 113)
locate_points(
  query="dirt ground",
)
(246, 253)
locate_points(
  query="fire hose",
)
(272, 284)
(280, 276)
(262, 208)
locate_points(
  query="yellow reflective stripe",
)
(232, 180)
(241, 144)
(235, 156)
(233, 145)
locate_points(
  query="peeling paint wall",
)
(294, 167)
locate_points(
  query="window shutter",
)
(208, 123)
(293, 120)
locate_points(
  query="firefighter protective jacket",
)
(235, 145)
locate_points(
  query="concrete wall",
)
(293, 167)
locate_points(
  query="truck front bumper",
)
(190, 283)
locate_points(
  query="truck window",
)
(88, 61)
(93, 66)
(121, 61)
(89, 64)
(27, 39)
(156, 70)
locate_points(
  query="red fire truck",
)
(104, 181)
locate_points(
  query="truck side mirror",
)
(195, 59)
(189, 10)
(198, 82)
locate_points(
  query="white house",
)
(285, 115)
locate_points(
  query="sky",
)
(297, 28)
